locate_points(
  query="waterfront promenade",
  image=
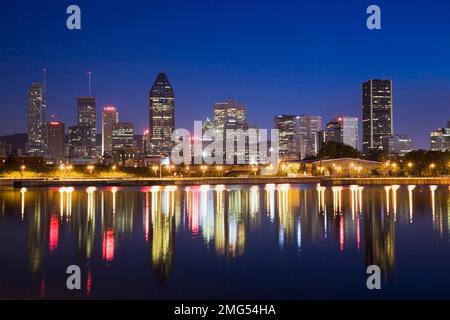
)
(325, 181)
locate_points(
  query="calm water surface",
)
(265, 241)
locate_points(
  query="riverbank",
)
(325, 181)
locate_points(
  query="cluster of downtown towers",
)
(300, 136)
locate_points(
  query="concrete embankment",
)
(30, 183)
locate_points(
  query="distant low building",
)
(440, 139)
(397, 144)
(123, 144)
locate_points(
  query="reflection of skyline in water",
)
(224, 218)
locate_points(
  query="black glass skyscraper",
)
(162, 115)
(377, 120)
(36, 120)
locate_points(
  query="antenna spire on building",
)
(90, 79)
(45, 79)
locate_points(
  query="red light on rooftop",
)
(109, 108)
(54, 123)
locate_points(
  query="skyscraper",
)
(288, 126)
(83, 136)
(55, 141)
(36, 120)
(377, 116)
(440, 139)
(344, 130)
(162, 115)
(229, 115)
(123, 144)
(86, 112)
(110, 117)
(122, 136)
(308, 127)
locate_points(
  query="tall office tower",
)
(287, 126)
(146, 142)
(55, 141)
(86, 120)
(229, 115)
(110, 117)
(36, 120)
(377, 116)
(308, 128)
(333, 131)
(350, 131)
(344, 130)
(440, 139)
(162, 115)
(86, 112)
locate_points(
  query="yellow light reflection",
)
(91, 203)
(387, 189)
(337, 199)
(23, 190)
(410, 198)
(433, 202)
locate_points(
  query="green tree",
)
(334, 150)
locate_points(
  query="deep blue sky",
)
(280, 56)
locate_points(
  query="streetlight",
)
(90, 168)
(203, 168)
(219, 168)
(255, 170)
(432, 166)
(22, 169)
(155, 169)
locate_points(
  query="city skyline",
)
(376, 118)
(261, 69)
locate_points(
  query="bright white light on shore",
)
(284, 186)
(170, 188)
(62, 189)
(23, 190)
(205, 187)
(220, 187)
(270, 186)
(155, 188)
(91, 189)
